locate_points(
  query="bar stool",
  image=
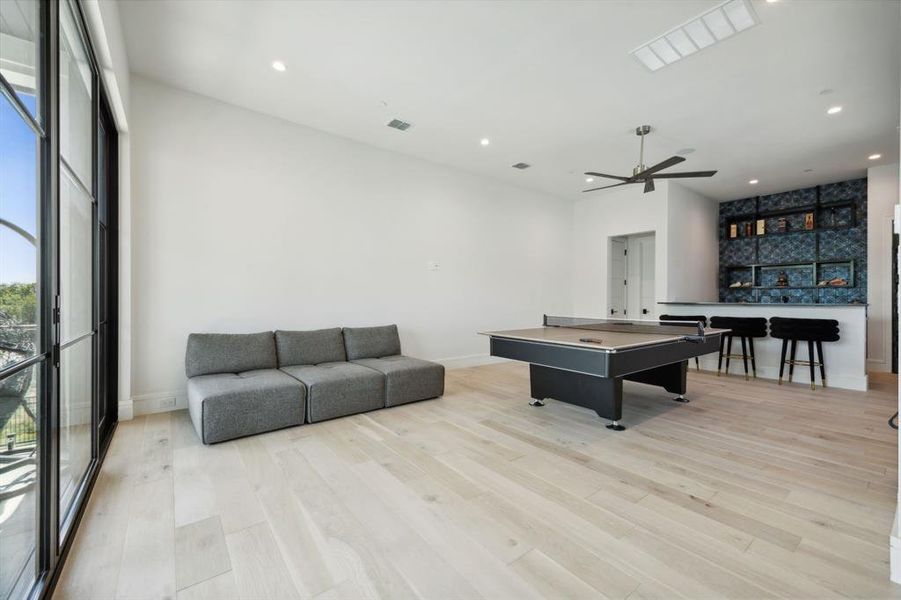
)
(744, 328)
(693, 319)
(812, 331)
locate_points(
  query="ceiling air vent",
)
(398, 124)
(521, 166)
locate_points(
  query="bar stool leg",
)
(822, 363)
(812, 361)
(782, 361)
(791, 362)
(697, 364)
(753, 358)
(728, 354)
(744, 356)
(719, 367)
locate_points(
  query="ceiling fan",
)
(640, 174)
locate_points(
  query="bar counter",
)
(845, 359)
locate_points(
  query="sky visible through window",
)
(18, 193)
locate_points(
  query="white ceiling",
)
(550, 83)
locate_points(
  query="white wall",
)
(244, 222)
(692, 246)
(882, 196)
(609, 214)
(685, 226)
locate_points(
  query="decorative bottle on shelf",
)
(808, 221)
(783, 224)
(733, 231)
(782, 280)
(761, 226)
(748, 229)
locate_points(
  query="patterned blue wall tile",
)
(854, 189)
(846, 241)
(791, 199)
(740, 251)
(842, 244)
(797, 276)
(737, 207)
(793, 247)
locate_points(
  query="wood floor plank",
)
(200, 552)
(258, 566)
(752, 490)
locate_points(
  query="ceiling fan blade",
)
(593, 174)
(685, 174)
(672, 160)
(607, 186)
(648, 185)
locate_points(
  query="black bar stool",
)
(693, 319)
(744, 328)
(812, 331)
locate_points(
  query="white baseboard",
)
(472, 360)
(146, 404)
(879, 366)
(126, 410)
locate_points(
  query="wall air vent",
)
(715, 25)
(521, 166)
(398, 124)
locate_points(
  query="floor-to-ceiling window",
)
(57, 217)
(24, 350)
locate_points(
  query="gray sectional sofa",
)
(243, 384)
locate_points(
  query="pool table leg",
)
(603, 395)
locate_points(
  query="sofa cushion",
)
(371, 342)
(224, 406)
(229, 353)
(407, 379)
(337, 389)
(309, 347)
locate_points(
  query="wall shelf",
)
(817, 209)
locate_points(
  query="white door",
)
(640, 297)
(647, 298)
(616, 282)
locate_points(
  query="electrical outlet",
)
(167, 402)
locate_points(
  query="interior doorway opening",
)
(631, 277)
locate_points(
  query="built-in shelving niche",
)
(822, 237)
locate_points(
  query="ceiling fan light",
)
(681, 42)
(739, 15)
(647, 56)
(718, 24)
(699, 33)
(663, 49)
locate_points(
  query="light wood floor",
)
(750, 491)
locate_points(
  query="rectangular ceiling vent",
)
(715, 25)
(398, 124)
(521, 166)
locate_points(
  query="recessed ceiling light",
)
(484, 141)
(753, 182)
(589, 179)
(771, 1)
(279, 66)
(834, 110)
(875, 156)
